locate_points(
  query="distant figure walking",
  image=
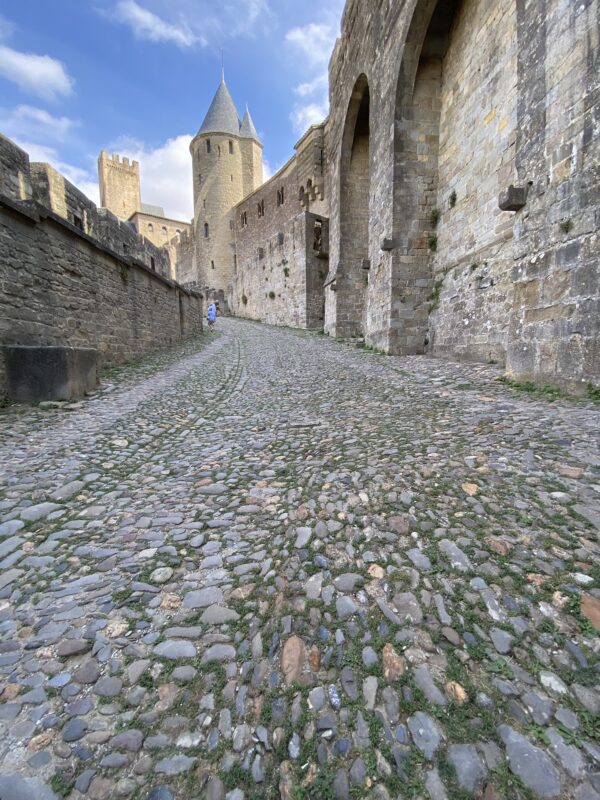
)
(212, 315)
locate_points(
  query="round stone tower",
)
(227, 165)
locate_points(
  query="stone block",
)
(527, 294)
(513, 198)
(49, 373)
(549, 313)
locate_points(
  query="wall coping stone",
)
(34, 212)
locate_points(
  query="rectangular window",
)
(318, 235)
(280, 196)
(78, 222)
(231, 148)
(212, 264)
(152, 264)
(261, 209)
(244, 219)
(208, 145)
(261, 253)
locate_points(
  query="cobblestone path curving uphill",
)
(271, 565)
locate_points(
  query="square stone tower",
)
(119, 185)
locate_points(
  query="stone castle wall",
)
(165, 233)
(65, 286)
(473, 127)
(465, 99)
(281, 235)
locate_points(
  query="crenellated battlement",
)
(119, 184)
(119, 162)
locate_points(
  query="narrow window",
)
(219, 150)
(261, 208)
(152, 264)
(261, 253)
(212, 264)
(150, 227)
(232, 178)
(78, 222)
(235, 262)
(204, 204)
(208, 145)
(280, 197)
(318, 235)
(230, 147)
(244, 219)
(125, 249)
(200, 178)
(206, 230)
(164, 230)
(230, 224)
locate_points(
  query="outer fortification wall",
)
(281, 234)
(96, 286)
(437, 109)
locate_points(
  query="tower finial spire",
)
(222, 67)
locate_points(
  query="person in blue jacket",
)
(212, 315)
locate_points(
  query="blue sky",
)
(137, 76)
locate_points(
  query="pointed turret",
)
(248, 131)
(222, 116)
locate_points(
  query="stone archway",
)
(453, 152)
(355, 172)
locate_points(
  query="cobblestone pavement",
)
(279, 566)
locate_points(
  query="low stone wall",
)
(60, 286)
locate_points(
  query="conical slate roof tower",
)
(222, 115)
(247, 130)
(227, 166)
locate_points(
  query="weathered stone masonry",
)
(281, 242)
(454, 103)
(61, 285)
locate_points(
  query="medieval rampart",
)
(95, 288)
(437, 109)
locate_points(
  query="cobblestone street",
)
(267, 564)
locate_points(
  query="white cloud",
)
(40, 75)
(312, 45)
(246, 15)
(319, 84)
(165, 173)
(314, 42)
(6, 28)
(147, 25)
(303, 116)
(186, 23)
(29, 122)
(268, 170)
